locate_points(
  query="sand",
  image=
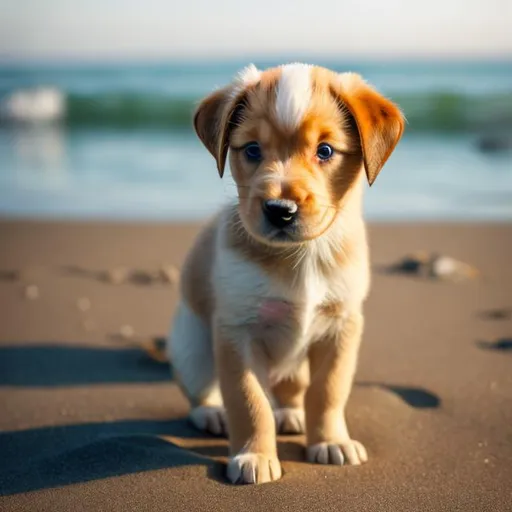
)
(89, 422)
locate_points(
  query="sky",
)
(110, 29)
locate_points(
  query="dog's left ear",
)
(379, 121)
(218, 113)
(212, 124)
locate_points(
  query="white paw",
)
(349, 452)
(289, 420)
(210, 419)
(253, 468)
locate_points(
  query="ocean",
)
(125, 148)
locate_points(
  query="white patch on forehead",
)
(250, 75)
(293, 94)
(350, 81)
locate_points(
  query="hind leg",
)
(190, 351)
(289, 395)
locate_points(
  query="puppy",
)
(266, 335)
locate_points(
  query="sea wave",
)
(436, 111)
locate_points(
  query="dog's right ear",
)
(217, 114)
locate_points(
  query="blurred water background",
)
(124, 147)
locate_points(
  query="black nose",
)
(280, 212)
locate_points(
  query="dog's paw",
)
(253, 468)
(210, 419)
(290, 420)
(349, 452)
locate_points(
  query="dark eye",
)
(324, 151)
(253, 152)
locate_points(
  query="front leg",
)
(333, 363)
(251, 426)
(289, 394)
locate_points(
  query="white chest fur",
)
(242, 286)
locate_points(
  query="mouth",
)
(281, 235)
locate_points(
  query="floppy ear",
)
(219, 112)
(212, 124)
(379, 121)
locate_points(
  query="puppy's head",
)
(298, 138)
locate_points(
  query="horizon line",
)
(505, 57)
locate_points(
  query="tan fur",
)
(195, 278)
(315, 282)
(332, 363)
(249, 415)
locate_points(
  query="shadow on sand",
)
(56, 365)
(55, 456)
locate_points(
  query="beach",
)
(89, 421)
(108, 174)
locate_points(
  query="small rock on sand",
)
(146, 277)
(169, 274)
(435, 266)
(498, 314)
(412, 264)
(446, 268)
(83, 304)
(116, 275)
(126, 331)
(166, 274)
(31, 292)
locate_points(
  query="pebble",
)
(116, 275)
(169, 274)
(435, 266)
(498, 314)
(446, 268)
(126, 331)
(31, 292)
(83, 304)
(166, 274)
(143, 277)
(413, 263)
